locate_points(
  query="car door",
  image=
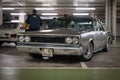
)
(100, 36)
(103, 35)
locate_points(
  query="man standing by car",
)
(33, 22)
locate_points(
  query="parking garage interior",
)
(15, 65)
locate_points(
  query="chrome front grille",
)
(48, 39)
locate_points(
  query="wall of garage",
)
(118, 29)
(1, 12)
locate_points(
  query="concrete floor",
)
(15, 65)
(10, 57)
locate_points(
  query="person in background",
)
(52, 23)
(33, 22)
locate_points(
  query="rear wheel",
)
(89, 54)
(35, 56)
(106, 47)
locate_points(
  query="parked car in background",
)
(80, 36)
(9, 31)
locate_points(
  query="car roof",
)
(76, 17)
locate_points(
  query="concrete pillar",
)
(110, 17)
(1, 18)
(114, 27)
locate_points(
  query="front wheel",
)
(89, 54)
(1, 43)
(35, 56)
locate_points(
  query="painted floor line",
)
(83, 65)
(53, 68)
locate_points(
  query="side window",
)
(99, 27)
(102, 28)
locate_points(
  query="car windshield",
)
(9, 25)
(71, 23)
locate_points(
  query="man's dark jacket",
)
(34, 21)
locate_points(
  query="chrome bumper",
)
(58, 49)
(8, 40)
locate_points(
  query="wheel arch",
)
(91, 41)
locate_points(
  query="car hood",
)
(55, 32)
(7, 31)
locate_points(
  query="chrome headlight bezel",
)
(68, 40)
(75, 40)
(27, 39)
(21, 38)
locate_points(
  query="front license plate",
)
(47, 52)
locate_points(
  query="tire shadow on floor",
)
(58, 59)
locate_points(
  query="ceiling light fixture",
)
(80, 13)
(85, 8)
(8, 8)
(45, 4)
(43, 17)
(17, 21)
(17, 13)
(49, 13)
(44, 8)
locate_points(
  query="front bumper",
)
(58, 49)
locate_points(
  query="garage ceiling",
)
(61, 6)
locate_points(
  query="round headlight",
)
(21, 39)
(75, 40)
(68, 40)
(27, 39)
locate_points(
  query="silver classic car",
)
(9, 30)
(80, 36)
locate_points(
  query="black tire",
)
(89, 54)
(106, 48)
(1, 43)
(35, 56)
